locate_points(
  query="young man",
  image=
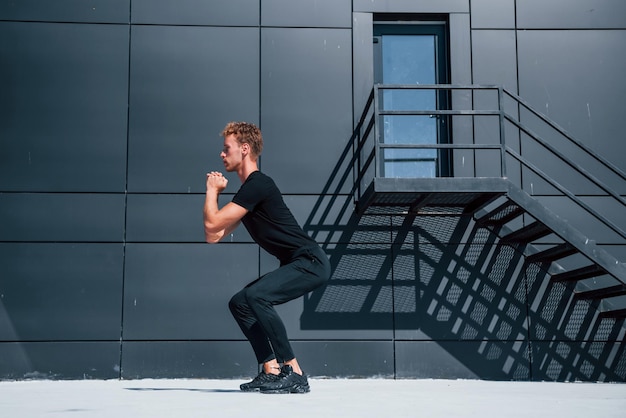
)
(303, 264)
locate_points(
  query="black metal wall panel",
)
(189, 359)
(186, 83)
(196, 12)
(356, 302)
(322, 216)
(463, 161)
(411, 6)
(306, 104)
(362, 61)
(328, 358)
(458, 292)
(303, 13)
(107, 132)
(559, 75)
(53, 292)
(63, 107)
(60, 360)
(235, 359)
(181, 291)
(301, 315)
(573, 361)
(561, 171)
(171, 218)
(569, 342)
(555, 314)
(434, 229)
(495, 14)
(460, 49)
(164, 218)
(494, 60)
(58, 217)
(565, 14)
(490, 360)
(96, 11)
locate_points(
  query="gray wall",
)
(110, 113)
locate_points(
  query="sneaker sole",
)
(291, 389)
(250, 390)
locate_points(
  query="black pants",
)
(253, 306)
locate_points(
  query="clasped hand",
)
(215, 180)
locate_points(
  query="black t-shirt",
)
(269, 221)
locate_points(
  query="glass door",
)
(412, 54)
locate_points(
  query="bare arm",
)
(218, 223)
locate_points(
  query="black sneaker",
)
(287, 382)
(260, 380)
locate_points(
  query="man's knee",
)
(237, 301)
(255, 296)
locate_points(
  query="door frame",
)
(390, 25)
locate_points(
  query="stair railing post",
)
(376, 132)
(502, 133)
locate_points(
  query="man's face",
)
(231, 154)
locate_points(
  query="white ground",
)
(378, 398)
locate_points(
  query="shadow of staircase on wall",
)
(467, 262)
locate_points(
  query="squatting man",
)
(304, 266)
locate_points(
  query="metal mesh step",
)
(501, 214)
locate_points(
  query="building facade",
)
(110, 114)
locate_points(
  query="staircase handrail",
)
(588, 151)
(562, 131)
(506, 150)
(567, 193)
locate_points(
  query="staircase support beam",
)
(582, 273)
(606, 292)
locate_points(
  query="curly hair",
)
(246, 133)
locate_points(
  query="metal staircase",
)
(503, 202)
